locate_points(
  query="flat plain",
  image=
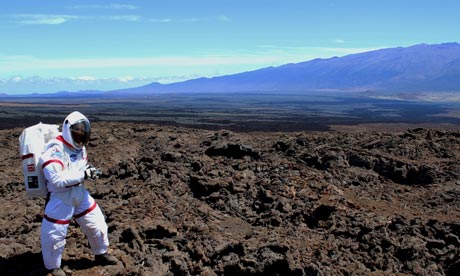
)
(234, 111)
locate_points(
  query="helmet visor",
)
(80, 131)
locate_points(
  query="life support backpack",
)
(32, 144)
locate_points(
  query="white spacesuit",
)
(65, 167)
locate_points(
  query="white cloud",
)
(55, 19)
(36, 84)
(42, 19)
(113, 6)
(160, 20)
(189, 20)
(338, 40)
(86, 78)
(126, 79)
(149, 66)
(192, 20)
(132, 18)
(182, 20)
(154, 61)
(80, 79)
(16, 79)
(223, 18)
(37, 63)
(120, 7)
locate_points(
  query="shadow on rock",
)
(28, 263)
(79, 264)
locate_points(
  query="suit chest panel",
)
(74, 160)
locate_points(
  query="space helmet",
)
(76, 130)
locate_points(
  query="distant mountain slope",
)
(418, 68)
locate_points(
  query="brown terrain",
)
(182, 201)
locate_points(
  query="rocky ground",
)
(184, 201)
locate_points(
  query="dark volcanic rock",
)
(230, 150)
(194, 202)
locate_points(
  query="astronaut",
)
(65, 167)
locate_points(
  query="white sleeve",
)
(53, 168)
(60, 178)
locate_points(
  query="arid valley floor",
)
(183, 201)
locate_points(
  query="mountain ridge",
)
(420, 68)
(417, 68)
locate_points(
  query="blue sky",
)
(73, 45)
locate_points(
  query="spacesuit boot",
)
(105, 259)
(57, 272)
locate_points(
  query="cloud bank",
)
(42, 19)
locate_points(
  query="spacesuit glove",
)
(92, 173)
